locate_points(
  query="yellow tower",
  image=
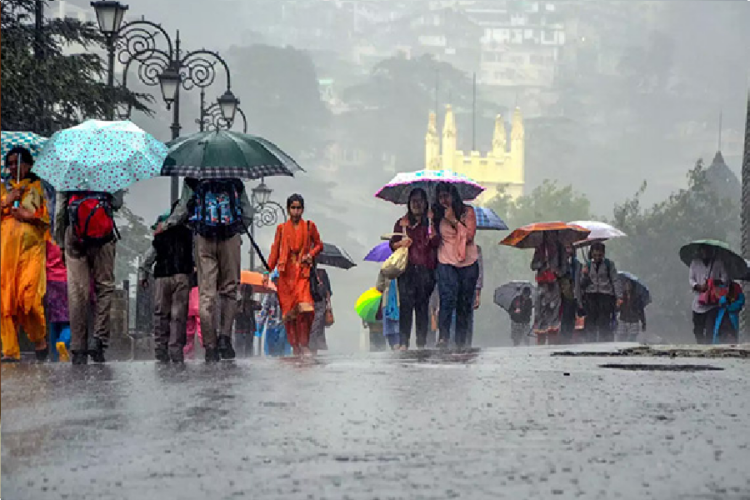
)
(500, 169)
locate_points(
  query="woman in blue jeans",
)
(457, 270)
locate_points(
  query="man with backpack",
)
(602, 292)
(86, 233)
(219, 211)
(171, 258)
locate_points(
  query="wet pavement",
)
(506, 423)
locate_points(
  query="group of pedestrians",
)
(442, 255)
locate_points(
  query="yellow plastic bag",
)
(395, 265)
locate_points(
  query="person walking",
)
(23, 233)
(632, 314)
(318, 328)
(570, 290)
(520, 312)
(244, 322)
(390, 310)
(193, 328)
(603, 293)
(415, 232)
(218, 211)
(704, 269)
(457, 270)
(170, 257)
(549, 265)
(727, 325)
(56, 303)
(270, 323)
(296, 244)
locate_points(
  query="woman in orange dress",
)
(295, 247)
(23, 234)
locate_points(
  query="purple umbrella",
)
(380, 253)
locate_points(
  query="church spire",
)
(499, 138)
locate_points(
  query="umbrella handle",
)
(257, 250)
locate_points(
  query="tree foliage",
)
(53, 78)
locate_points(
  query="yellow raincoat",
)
(22, 268)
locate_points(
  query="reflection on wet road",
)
(499, 424)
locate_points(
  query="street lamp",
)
(212, 118)
(228, 104)
(265, 213)
(167, 67)
(109, 15)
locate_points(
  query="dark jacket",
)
(632, 309)
(171, 253)
(526, 305)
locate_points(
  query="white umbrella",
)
(600, 231)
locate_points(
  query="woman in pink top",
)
(457, 270)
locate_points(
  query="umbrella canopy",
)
(368, 304)
(256, 281)
(736, 266)
(226, 154)
(505, 294)
(99, 156)
(29, 140)
(398, 189)
(600, 231)
(640, 288)
(488, 220)
(380, 252)
(334, 256)
(531, 236)
(747, 276)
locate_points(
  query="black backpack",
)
(216, 208)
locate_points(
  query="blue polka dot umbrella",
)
(100, 156)
(398, 189)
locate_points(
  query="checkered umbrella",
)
(29, 140)
(488, 220)
(225, 154)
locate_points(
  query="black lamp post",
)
(212, 118)
(137, 42)
(267, 212)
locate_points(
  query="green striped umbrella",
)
(735, 265)
(225, 154)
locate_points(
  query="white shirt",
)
(699, 275)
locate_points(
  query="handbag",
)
(330, 320)
(395, 265)
(546, 276)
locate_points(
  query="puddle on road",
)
(662, 368)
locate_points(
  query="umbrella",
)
(736, 266)
(29, 140)
(600, 231)
(334, 256)
(487, 219)
(747, 276)
(368, 304)
(380, 252)
(99, 156)
(256, 281)
(398, 189)
(505, 294)
(531, 236)
(226, 154)
(640, 288)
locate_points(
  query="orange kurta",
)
(291, 244)
(23, 280)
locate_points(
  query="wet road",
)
(509, 423)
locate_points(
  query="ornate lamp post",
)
(212, 119)
(267, 212)
(138, 42)
(745, 206)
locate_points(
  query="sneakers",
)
(80, 357)
(226, 351)
(212, 355)
(97, 354)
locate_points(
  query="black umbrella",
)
(334, 256)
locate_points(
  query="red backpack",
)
(91, 217)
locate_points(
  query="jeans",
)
(600, 309)
(415, 287)
(457, 288)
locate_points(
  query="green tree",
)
(46, 88)
(655, 236)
